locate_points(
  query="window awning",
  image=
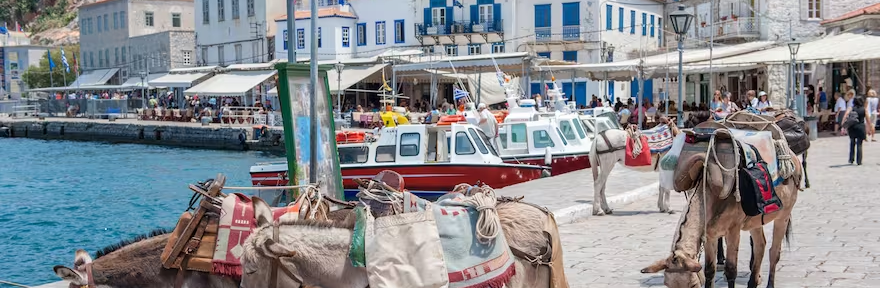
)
(483, 60)
(135, 82)
(845, 47)
(350, 75)
(232, 83)
(179, 80)
(94, 78)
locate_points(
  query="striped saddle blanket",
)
(659, 138)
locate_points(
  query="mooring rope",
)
(488, 223)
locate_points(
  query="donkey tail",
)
(788, 233)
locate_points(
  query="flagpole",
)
(64, 72)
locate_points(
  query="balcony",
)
(568, 33)
(459, 32)
(732, 29)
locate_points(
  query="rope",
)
(488, 223)
(268, 187)
(784, 159)
(724, 194)
(375, 193)
(13, 284)
(636, 137)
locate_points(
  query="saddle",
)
(795, 130)
(696, 147)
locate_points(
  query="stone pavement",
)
(835, 240)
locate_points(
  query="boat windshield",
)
(567, 130)
(612, 120)
(479, 141)
(480, 135)
(580, 128)
(542, 139)
(564, 142)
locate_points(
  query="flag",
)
(458, 93)
(456, 3)
(500, 78)
(3, 30)
(51, 63)
(64, 61)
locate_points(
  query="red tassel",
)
(227, 269)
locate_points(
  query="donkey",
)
(316, 253)
(134, 264)
(722, 216)
(610, 150)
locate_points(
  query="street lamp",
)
(607, 56)
(339, 66)
(143, 89)
(681, 23)
(793, 47)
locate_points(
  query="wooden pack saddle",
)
(192, 243)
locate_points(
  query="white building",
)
(236, 31)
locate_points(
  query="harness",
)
(276, 264)
(611, 148)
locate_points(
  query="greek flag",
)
(458, 93)
(458, 4)
(64, 61)
(500, 77)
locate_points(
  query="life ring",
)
(242, 138)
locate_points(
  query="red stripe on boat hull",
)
(561, 163)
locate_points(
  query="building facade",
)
(163, 51)
(107, 26)
(14, 60)
(236, 31)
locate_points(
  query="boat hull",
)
(425, 180)
(561, 163)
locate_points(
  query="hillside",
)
(48, 22)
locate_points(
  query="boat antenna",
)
(461, 86)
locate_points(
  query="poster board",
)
(295, 99)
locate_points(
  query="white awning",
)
(351, 75)
(447, 63)
(94, 78)
(490, 90)
(845, 47)
(181, 80)
(232, 83)
(135, 82)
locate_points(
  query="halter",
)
(276, 264)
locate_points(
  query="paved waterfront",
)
(835, 242)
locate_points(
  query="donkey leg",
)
(663, 201)
(732, 239)
(711, 250)
(721, 259)
(609, 166)
(780, 229)
(804, 163)
(597, 186)
(760, 244)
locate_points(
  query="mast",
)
(313, 111)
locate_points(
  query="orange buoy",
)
(449, 119)
(346, 137)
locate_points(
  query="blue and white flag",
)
(500, 78)
(64, 61)
(51, 63)
(458, 93)
(456, 3)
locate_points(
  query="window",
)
(206, 12)
(399, 36)
(91, 31)
(542, 139)
(175, 19)
(122, 19)
(256, 53)
(570, 56)
(99, 24)
(485, 12)
(187, 57)
(220, 59)
(451, 50)
(361, 34)
(346, 37)
(91, 60)
(544, 54)
(608, 17)
(474, 49)
(438, 16)
(385, 153)
(632, 21)
(300, 38)
(221, 10)
(100, 58)
(237, 53)
(498, 47)
(353, 155)
(116, 56)
(477, 140)
(319, 37)
(620, 19)
(235, 9)
(250, 7)
(409, 144)
(380, 33)
(644, 24)
(578, 125)
(567, 130)
(463, 144)
(564, 142)
(106, 22)
(518, 133)
(148, 18)
(660, 31)
(124, 60)
(115, 20)
(814, 9)
(205, 55)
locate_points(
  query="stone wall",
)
(220, 138)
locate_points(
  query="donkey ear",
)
(692, 265)
(262, 212)
(276, 250)
(67, 274)
(658, 266)
(81, 258)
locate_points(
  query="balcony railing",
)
(564, 33)
(739, 27)
(459, 27)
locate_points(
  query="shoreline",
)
(175, 134)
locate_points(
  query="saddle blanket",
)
(763, 142)
(659, 138)
(469, 263)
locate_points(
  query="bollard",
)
(813, 123)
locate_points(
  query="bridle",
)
(276, 264)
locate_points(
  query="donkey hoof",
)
(609, 212)
(598, 213)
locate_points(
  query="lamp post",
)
(681, 23)
(793, 48)
(339, 66)
(607, 56)
(143, 76)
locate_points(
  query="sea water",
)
(60, 196)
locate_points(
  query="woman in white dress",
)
(873, 104)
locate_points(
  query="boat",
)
(431, 157)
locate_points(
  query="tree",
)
(39, 76)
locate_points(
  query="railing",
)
(7, 107)
(564, 33)
(104, 108)
(734, 27)
(459, 27)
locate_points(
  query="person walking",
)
(873, 104)
(839, 110)
(488, 124)
(856, 130)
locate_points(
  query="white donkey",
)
(609, 147)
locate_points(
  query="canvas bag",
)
(669, 162)
(758, 196)
(404, 250)
(851, 119)
(643, 159)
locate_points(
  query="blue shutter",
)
(571, 14)
(449, 19)
(570, 56)
(496, 17)
(620, 21)
(475, 14)
(644, 24)
(580, 93)
(536, 88)
(427, 19)
(608, 17)
(632, 21)
(542, 15)
(652, 25)
(566, 89)
(544, 54)
(611, 91)
(659, 31)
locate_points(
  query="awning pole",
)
(479, 83)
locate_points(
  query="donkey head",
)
(679, 270)
(78, 275)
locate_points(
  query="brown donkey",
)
(708, 174)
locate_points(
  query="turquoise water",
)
(59, 196)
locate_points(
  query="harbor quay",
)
(127, 130)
